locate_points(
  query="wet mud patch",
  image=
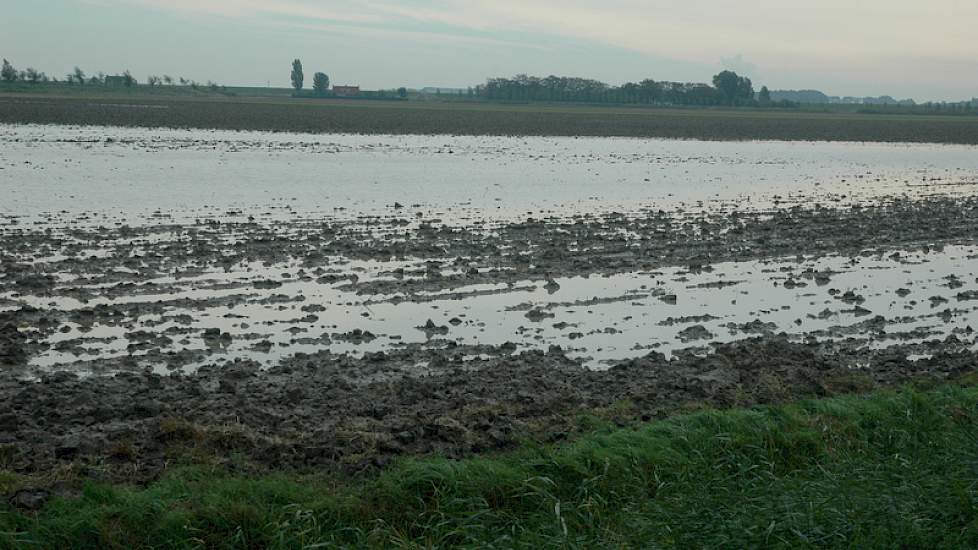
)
(354, 413)
(149, 292)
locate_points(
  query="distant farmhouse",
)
(115, 81)
(346, 91)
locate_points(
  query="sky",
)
(925, 50)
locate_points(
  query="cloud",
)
(692, 30)
(436, 38)
(352, 12)
(830, 37)
(739, 65)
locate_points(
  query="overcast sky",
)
(924, 49)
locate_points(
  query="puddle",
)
(876, 300)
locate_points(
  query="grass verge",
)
(885, 470)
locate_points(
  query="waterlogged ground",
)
(269, 314)
(107, 175)
(446, 293)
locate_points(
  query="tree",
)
(128, 79)
(33, 76)
(168, 80)
(78, 75)
(650, 91)
(153, 80)
(402, 92)
(8, 73)
(726, 84)
(320, 83)
(745, 90)
(297, 76)
(764, 96)
(733, 88)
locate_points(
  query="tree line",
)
(728, 88)
(9, 74)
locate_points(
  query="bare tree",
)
(8, 73)
(33, 76)
(168, 80)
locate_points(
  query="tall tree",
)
(726, 84)
(733, 88)
(297, 76)
(745, 89)
(79, 75)
(764, 96)
(320, 83)
(8, 73)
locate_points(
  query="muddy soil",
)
(315, 411)
(117, 417)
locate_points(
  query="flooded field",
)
(251, 276)
(139, 176)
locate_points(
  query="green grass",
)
(894, 469)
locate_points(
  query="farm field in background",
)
(474, 118)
